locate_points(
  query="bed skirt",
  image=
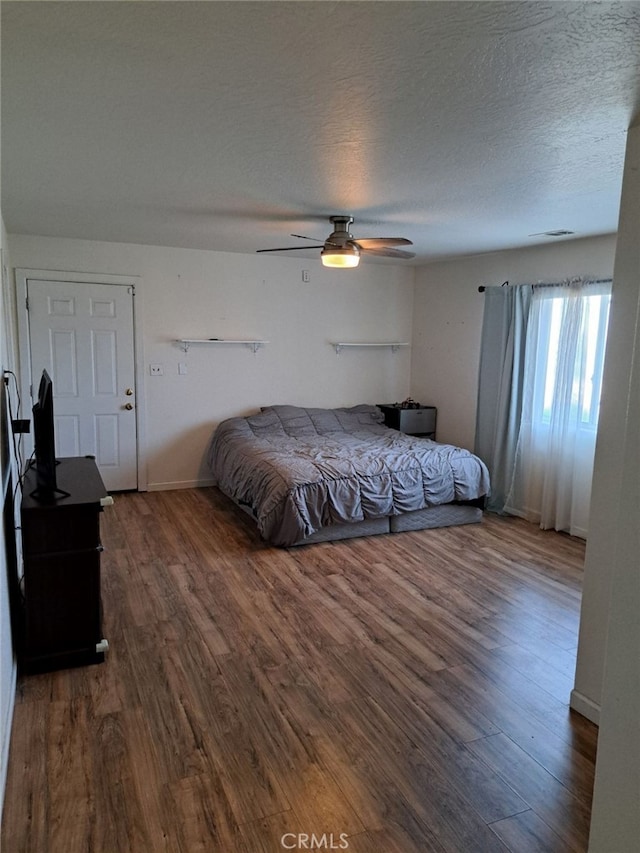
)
(444, 515)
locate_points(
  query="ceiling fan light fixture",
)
(342, 251)
(340, 257)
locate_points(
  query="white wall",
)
(608, 671)
(199, 294)
(447, 320)
(7, 661)
(187, 293)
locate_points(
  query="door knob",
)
(129, 392)
(128, 406)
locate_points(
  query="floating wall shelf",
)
(185, 343)
(393, 345)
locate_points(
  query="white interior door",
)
(82, 334)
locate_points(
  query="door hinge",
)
(26, 302)
(132, 290)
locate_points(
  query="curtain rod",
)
(482, 287)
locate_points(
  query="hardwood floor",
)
(394, 694)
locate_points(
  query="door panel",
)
(106, 437)
(82, 333)
(103, 351)
(64, 361)
(67, 435)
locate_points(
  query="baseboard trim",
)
(179, 484)
(585, 706)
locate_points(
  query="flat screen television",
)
(45, 443)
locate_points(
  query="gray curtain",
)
(500, 382)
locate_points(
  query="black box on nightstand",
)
(420, 421)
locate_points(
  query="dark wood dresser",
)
(61, 619)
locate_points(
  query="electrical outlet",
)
(156, 370)
(182, 368)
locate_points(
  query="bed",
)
(307, 475)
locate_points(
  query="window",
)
(586, 350)
(562, 381)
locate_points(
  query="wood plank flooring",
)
(394, 694)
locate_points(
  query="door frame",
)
(24, 352)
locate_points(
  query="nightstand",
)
(420, 421)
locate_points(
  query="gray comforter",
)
(300, 469)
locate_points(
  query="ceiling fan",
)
(341, 249)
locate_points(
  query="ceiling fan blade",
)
(385, 252)
(291, 248)
(326, 242)
(379, 242)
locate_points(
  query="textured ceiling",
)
(466, 127)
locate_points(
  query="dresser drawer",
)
(73, 529)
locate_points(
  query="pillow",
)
(299, 420)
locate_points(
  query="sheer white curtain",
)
(564, 357)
